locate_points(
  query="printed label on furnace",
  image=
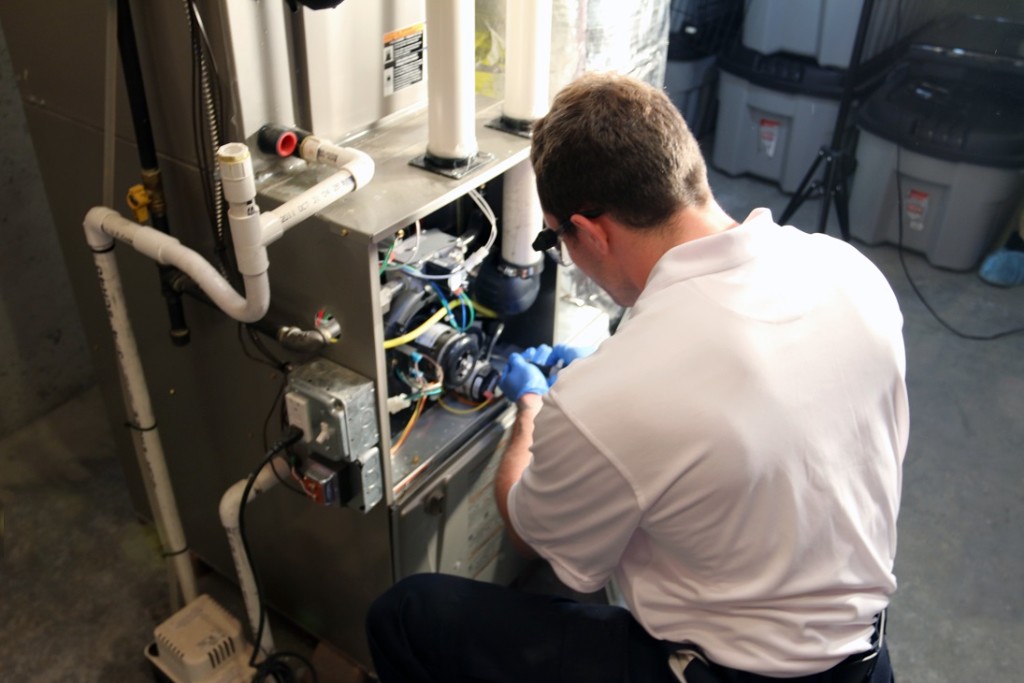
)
(403, 58)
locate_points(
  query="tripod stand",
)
(837, 156)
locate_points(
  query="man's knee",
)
(410, 600)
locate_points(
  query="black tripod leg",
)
(830, 191)
(842, 200)
(803, 191)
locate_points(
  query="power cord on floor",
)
(276, 666)
(920, 296)
(900, 248)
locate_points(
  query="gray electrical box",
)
(336, 410)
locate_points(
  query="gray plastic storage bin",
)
(945, 159)
(992, 45)
(823, 30)
(951, 210)
(690, 84)
(774, 127)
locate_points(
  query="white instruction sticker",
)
(403, 58)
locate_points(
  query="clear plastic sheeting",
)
(630, 38)
(586, 35)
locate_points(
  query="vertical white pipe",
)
(230, 509)
(527, 56)
(451, 92)
(148, 448)
(523, 215)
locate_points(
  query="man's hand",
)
(564, 354)
(535, 369)
(522, 377)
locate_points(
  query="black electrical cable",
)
(268, 359)
(275, 665)
(284, 369)
(920, 296)
(900, 248)
(266, 426)
(258, 343)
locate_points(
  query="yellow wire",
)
(484, 311)
(457, 411)
(408, 427)
(409, 336)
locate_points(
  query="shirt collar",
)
(711, 254)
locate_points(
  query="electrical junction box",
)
(337, 412)
(200, 643)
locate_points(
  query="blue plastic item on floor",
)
(1003, 268)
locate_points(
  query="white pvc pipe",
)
(524, 218)
(250, 231)
(451, 88)
(528, 51)
(527, 56)
(148, 448)
(319, 151)
(355, 170)
(230, 510)
(103, 224)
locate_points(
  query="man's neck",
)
(686, 225)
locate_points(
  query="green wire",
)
(387, 258)
(472, 312)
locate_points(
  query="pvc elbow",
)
(231, 502)
(359, 164)
(230, 505)
(95, 235)
(361, 167)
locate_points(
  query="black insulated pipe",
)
(135, 85)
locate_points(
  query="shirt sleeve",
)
(572, 505)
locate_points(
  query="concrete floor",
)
(82, 586)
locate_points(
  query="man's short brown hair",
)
(614, 143)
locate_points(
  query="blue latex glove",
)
(538, 355)
(565, 354)
(522, 377)
(543, 356)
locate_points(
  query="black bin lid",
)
(989, 43)
(784, 72)
(962, 120)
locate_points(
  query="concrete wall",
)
(44, 359)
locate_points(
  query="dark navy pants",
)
(444, 629)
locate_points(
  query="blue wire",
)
(444, 300)
(465, 304)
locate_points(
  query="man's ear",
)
(592, 230)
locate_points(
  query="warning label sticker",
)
(403, 58)
(768, 136)
(915, 208)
